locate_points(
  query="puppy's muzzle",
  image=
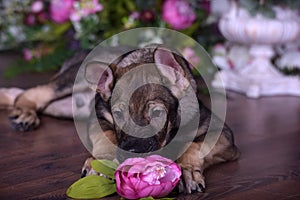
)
(136, 147)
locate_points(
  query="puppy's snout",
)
(136, 147)
(139, 145)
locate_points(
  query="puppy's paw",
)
(87, 168)
(191, 181)
(24, 119)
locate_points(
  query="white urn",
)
(259, 77)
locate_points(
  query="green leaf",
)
(105, 167)
(147, 198)
(91, 187)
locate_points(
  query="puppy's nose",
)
(136, 147)
(139, 145)
(132, 150)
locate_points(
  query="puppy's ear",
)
(172, 71)
(100, 78)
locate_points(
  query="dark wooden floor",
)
(43, 163)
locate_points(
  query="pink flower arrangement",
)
(60, 10)
(85, 8)
(153, 176)
(178, 14)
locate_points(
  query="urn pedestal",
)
(259, 77)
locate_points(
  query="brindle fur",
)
(190, 161)
(24, 117)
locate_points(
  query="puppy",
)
(144, 105)
(146, 102)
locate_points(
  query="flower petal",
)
(130, 162)
(146, 192)
(157, 158)
(140, 185)
(123, 187)
(172, 174)
(157, 191)
(166, 189)
(136, 169)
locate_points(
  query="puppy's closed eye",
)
(118, 114)
(157, 112)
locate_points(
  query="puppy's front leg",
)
(192, 170)
(104, 146)
(193, 161)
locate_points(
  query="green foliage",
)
(91, 187)
(94, 186)
(105, 167)
(48, 33)
(111, 15)
(50, 62)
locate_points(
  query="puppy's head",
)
(138, 97)
(148, 121)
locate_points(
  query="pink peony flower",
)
(153, 176)
(85, 8)
(178, 14)
(37, 6)
(60, 10)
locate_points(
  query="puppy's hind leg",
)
(24, 114)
